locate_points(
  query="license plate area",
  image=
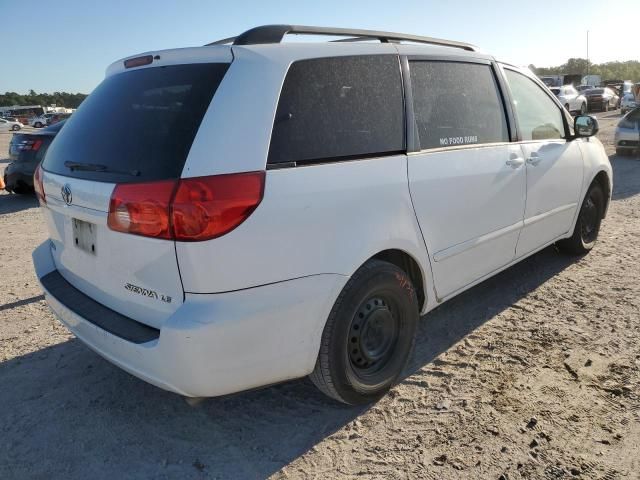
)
(84, 235)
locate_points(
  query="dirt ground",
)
(533, 374)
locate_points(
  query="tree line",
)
(629, 70)
(60, 99)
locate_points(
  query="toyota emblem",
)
(66, 194)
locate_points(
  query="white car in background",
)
(42, 120)
(628, 103)
(572, 100)
(9, 125)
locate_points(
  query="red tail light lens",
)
(142, 208)
(208, 207)
(38, 185)
(190, 210)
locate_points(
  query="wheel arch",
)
(602, 178)
(410, 266)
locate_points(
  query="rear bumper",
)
(216, 344)
(15, 176)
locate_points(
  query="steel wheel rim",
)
(373, 336)
(589, 220)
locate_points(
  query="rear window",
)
(596, 91)
(336, 108)
(555, 91)
(137, 125)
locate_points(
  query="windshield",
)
(141, 121)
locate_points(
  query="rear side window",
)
(137, 125)
(332, 108)
(456, 104)
(539, 118)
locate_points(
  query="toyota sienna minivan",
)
(251, 211)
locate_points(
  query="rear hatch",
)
(136, 127)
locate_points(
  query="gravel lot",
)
(533, 374)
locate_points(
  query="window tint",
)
(137, 125)
(339, 107)
(456, 104)
(539, 118)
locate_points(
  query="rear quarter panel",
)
(313, 220)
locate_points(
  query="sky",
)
(66, 45)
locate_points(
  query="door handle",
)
(534, 159)
(515, 162)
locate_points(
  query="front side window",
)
(456, 104)
(539, 118)
(341, 107)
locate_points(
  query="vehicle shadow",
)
(83, 417)
(626, 175)
(11, 203)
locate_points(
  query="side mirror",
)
(585, 126)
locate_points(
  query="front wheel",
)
(621, 152)
(587, 226)
(583, 109)
(15, 128)
(368, 336)
(605, 107)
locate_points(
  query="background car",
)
(628, 103)
(58, 117)
(572, 100)
(41, 121)
(603, 99)
(627, 136)
(27, 150)
(8, 125)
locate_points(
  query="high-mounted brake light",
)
(138, 61)
(188, 210)
(38, 185)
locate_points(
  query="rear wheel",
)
(587, 226)
(38, 125)
(368, 336)
(15, 128)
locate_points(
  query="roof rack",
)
(275, 34)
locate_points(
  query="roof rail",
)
(275, 34)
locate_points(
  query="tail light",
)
(189, 210)
(38, 186)
(142, 208)
(33, 145)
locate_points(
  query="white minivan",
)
(251, 211)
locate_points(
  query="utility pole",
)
(587, 52)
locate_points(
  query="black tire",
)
(15, 128)
(605, 107)
(583, 109)
(568, 108)
(587, 226)
(368, 336)
(37, 125)
(622, 152)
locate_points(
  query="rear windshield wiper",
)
(96, 167)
